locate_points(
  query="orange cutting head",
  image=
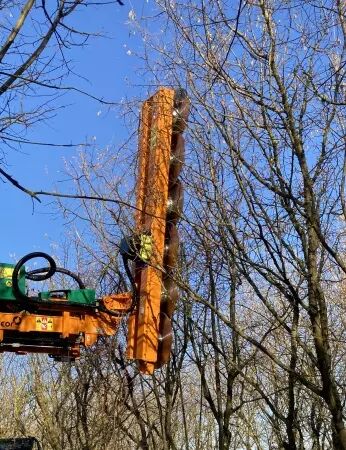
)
(152, 196)
(159, 203)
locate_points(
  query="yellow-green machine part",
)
(6, 271)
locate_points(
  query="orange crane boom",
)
(159, 204)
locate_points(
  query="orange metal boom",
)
(152, 196)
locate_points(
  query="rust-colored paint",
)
(150, 218)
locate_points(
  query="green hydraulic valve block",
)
(73, 296)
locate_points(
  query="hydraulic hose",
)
(15, 275)
(135, 298)
(41, 274)
(31, 275)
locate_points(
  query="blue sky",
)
(110, 70)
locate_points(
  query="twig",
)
(44, 144)
(18, 185)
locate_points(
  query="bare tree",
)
(259, 354)
(266, 183)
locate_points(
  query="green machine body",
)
(6, 271)
(73, 296)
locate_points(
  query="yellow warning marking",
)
(6, 272)
(44, 324)
(38, 323)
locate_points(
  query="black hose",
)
(15, 275)
(38, 274)
(30, 275)
(135, 298)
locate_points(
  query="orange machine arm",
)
(58, 329)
